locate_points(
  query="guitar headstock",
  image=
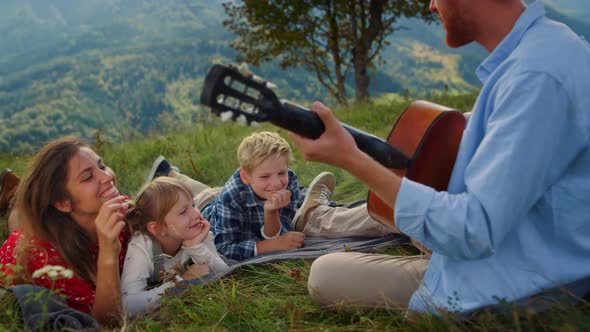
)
(233, 92)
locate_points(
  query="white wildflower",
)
(41, 271)
(53, 271)
(68, 274)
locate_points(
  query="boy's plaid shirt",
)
(237, 215)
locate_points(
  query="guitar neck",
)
(246, 96)
(308, 124)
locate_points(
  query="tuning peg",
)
(242, 120)
(258, 79)
(226, 116)
(243, 69)
(268, 85)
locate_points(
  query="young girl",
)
(171, 242)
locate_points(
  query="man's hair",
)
(261, 146)
(153, 203)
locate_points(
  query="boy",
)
(262, 209)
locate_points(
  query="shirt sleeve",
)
(231, 239)
(137, 270)
(8, 259)
(529, 140)
(206, 252)
(78, 292)
(42, 261)
(266, 237)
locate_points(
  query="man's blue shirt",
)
(237, 216)
(516, 217)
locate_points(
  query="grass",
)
(274, 297)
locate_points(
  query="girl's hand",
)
(195, 271)
(109, 223)
(199, 238)
(277, 200)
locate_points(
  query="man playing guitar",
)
(514, 219)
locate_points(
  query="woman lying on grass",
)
(70, 215)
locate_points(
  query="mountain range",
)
(118, 69)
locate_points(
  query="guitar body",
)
(430, 135)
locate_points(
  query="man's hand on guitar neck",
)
(337, 147)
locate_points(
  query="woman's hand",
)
(107, 307)
(109, 224)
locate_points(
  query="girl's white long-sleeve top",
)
(139, 266)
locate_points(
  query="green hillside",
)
(135, 72)
(274, 297)
(127, 68)
(124, 68)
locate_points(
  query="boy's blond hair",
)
(261, 146)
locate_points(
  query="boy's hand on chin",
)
(279, 199)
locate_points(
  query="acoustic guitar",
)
(422, 145)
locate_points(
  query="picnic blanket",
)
(313, 247)
(43, 310)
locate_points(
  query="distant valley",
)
(123, 68)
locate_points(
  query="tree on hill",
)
(327, 37)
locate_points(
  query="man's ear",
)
(64, 206)
(244, 176)
(153, 227)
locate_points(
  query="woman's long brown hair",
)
(43, 185)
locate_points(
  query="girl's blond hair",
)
(261, 146)
(153, 203)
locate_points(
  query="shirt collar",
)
(533, 12)
(243, 190)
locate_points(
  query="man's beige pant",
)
(325, 221)
(366, 280)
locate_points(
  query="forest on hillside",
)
(149, 89)
(124, 68)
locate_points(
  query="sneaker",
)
(319, 192)
(8, 183)
(160, 167)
